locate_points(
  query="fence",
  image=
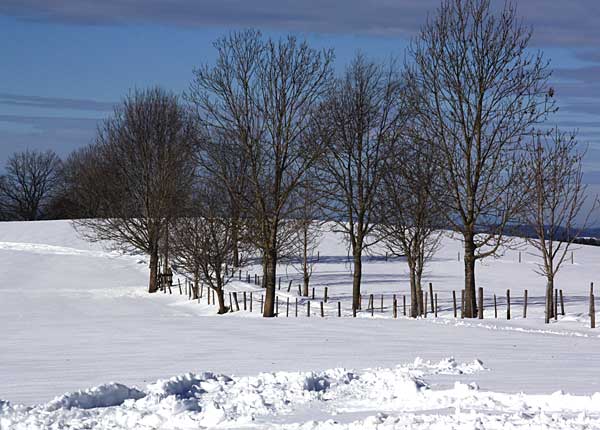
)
(382, 304)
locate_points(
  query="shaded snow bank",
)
(385, 398)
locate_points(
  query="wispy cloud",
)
(572, 23)
(54, 103)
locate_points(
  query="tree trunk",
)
(235, 239)
(269, 281)
(306, 281)
(221, 298)
(196, 291)
(549, 299)
(306, 276)
(166, 250)
(152, 285)
(419, 292)
(356, 278)
(469, 257)
(414, 291)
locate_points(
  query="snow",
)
(372, 398)
(74, 315)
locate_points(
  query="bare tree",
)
(363, 117)
(410, 219)
(138, 173)
(555, 202)
(478, 91)
(308, 229)
(30, 184)
(262, 95)
(204, 241)
(223, 163)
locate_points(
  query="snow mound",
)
(449, 366)
(102, 396)
(379, 398)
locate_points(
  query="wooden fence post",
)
(279, 284)
(230, 302)
(495, 308)
(480, 310)
(592, 312)
(436, 306)
(462, 303)
(555, 304)
(454, 302)
(179, 285)
(525, 304)
(299, 290)
(276, 306)
(339, 309)
(382, 303)
(289, 286)
(245, 306)
(431, 295)
(325, 295)
(262, 298)
(404, 304)
(214, 301)
(562, 304)
(235, 299)
(308, 308)
(425, 306)
(508, 304)
(313, 293)
(519, 256)
(287, 307)
(296, 313)
(394, 307)
(372, 305)
(322, 310)
(250, 301)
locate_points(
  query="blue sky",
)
(66, 62)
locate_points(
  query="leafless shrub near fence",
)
(555, 204)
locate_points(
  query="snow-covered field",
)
(75, 316)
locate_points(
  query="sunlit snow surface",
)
(75, 315)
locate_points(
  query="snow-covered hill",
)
(74, 315)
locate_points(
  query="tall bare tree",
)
(478, 91)
(363, 117)
(555, 204)
(262, 95)
(139, 173)
(31, 181)
(410, 216)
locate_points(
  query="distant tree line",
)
(268, 143)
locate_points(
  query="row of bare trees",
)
(268, 144)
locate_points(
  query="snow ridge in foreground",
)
(385, 398)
